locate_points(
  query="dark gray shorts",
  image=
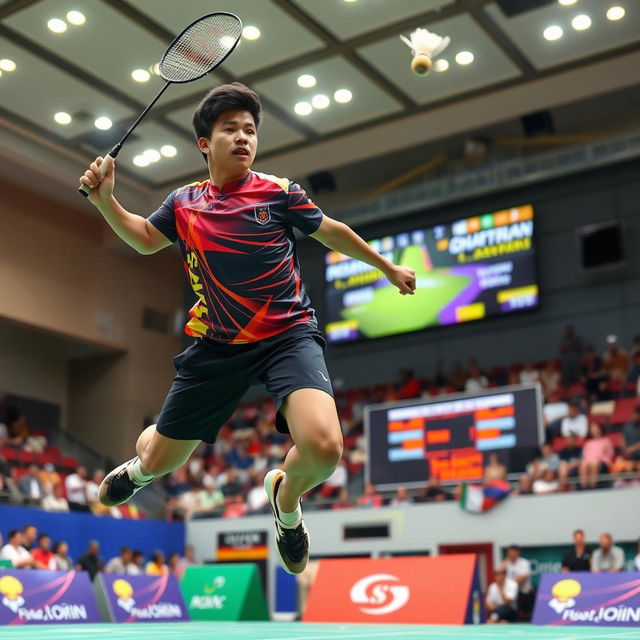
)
(212, 378)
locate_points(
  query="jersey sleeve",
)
(301, 211)
(164, 218)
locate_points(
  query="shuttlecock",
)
(425, 46)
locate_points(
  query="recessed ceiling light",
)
(464, 57)
(306, 81)
(567, 3)
(554, 32)
(320, 101)
(581, 22)
(140, 161)
(76, 18)
(251, 33)
(350, 0)
(62, 117)
(151, 155)
(615, 13)
(140, 75)
(103, 123)
(342, 96)
(7, 65)
(440, 65)
(168, 150)
(303, 108)
(56, 25)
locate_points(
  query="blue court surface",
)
(298, 631)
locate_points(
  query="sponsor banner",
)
(127, 598)
(224, 592)
(46, 597)
(593, 599)
(423, 590)
(242, 545)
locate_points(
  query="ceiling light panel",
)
(348, 19)
(489, 66)
(22, 95)
(527, 31)
(131, 48)
(369, 101)
(281, 36)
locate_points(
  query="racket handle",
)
(85, 189)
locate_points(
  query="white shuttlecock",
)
(425, 46)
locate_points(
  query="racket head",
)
(200, 47)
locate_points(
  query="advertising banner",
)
(125, 598)
(421, 590)
(46, 597)
(242, 545)
(593, 599)
(224, 591)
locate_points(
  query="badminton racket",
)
(198, 50)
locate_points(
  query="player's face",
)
(233, 142)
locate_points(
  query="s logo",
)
(381, 593)
(263, 215)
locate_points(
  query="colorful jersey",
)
(239, 253)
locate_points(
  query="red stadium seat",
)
(9, 454)
(624, 410)
(616, 440)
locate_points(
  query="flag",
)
(479, 498)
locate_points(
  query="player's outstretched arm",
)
(339, 237)
(130, 227)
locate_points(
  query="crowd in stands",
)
(591, 417)
(26, 549)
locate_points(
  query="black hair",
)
(12, 533)
(42, 536)
(226, 97)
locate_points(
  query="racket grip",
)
(85, 189)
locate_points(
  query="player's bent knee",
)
(328, 452)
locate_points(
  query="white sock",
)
(289, 519)
(137, 475)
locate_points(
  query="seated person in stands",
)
(502, 598)
(57, 501)
(550, 378)
(607, 558)
(548, 459)
(402, 498)
(476, 380)
(343, 501)
(119, 563)
(553, 412)
(61, 556)
(91, 562)
(525, 486)
(494, 469)
(433, 492)
(579, 557)
(17, 427)
(42, 555)
(615, 360)
(593, 372)
(570, 457)
(631, 436)
(157, 567)
(546, 483)
(575, 423)
(30, 486)
(528, 374)
(370, 498)
(409, 385)
(13, 551)
(597, 457)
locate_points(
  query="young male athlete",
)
(252, 321)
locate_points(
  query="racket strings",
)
(200, 48)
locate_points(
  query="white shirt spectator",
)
(133, 569)
(541, 486)
(527, 377)
(338, 478)
(473, 385)
(256, 498)
(51, 503)
(92, 491)
(14, 554)
(553, 411)
(115, 565)
(75, 486)
(510, 590)
(521, 567)
(577, 426)
(604, 562)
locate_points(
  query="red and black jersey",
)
(240, 255)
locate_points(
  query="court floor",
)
(298, 631)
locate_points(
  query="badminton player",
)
(252, 321)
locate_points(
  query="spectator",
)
(553, 412)
(157, 567)
(458, 378)
(476, 381)
(548, 460)
(61, 556)
(75, 485)
(188, 503)
(92, 490)
(57, 501)
(494, 470)
(239, 458)
(570, 457)
(636, 560)
(593, 373)
(578, 558)
(17, 428)
(525, 487)
(433, 492)
(615, 360)
(547, 483)
(343, 501)
(15, 552)
(29, 536)
(518, 569)
(173, 563)
(232, 488)
(235, 508)
(575, 423)
(502, 598)
(43, 557)
(529, 374)
(597, 457)
(571, 350)
(607, 558)
(257, 501)
(550, 378)
(210, 498)
(401, 499)
(335, 482)
(120, 563)
(631, 436)
(49, 479)
(135, 567)
(409, 385)
(30, 486)
(189, 560)
(370, 498)
(91, 562)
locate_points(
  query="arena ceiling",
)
(86, 71)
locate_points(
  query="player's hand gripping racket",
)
(198, 50)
